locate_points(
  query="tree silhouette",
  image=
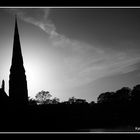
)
(136, 94)
(55, 100)
(43, 97)
(106, 97)
(72, 100)
(81, 101)
(32, 101)
(135, 100)
(122, 95)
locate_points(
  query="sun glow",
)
(34, 73)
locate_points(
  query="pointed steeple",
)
(18, 92)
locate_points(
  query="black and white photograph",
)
(70, 69)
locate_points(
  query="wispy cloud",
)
(37, 17)
(95, 67)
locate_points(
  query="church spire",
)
(18, 92)
(17, 48)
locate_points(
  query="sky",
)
(80, 52)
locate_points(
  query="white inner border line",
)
(74, 7)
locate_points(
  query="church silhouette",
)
(18, 92)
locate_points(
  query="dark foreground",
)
(68, 118)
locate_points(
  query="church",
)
(18, 92)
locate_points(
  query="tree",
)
(72, 100)
(122, 95)
(32, 101)
(43, 97)
(136, 94)
(106, 97)
(80, 101)
(92, 103)
(135, 100)
(55, 100)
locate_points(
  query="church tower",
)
(18, 92)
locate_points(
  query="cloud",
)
(40, 18)
(87, 67)
(82, 62)
(37, 17)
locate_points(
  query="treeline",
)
(121, 96)
(113, 109)
(44, 113)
